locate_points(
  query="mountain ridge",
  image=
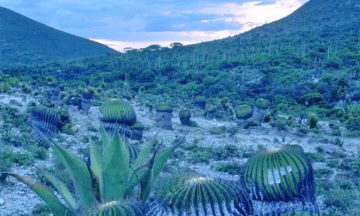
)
(25, 41)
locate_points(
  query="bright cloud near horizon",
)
(138, 24)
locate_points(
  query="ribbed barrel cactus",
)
(45, 123)
(196, 195)
(117, 113)
(117, 208)
(243, 112)
(105, 180)
(282, 180)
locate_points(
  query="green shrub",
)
(251, 122)
(185, 116)
(216, 130)
(67, 129)
(23, 159)
(312, 118)
(231, 168)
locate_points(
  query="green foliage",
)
(313, 98)
(231, 168)
(164, 107)
(312, 118)
(251, 122)
(185, 116)
(67, 129)
(216, 130)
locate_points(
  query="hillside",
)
(25, 41)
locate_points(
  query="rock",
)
(2, 201)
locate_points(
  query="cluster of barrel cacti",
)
(272, 182)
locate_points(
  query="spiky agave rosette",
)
(280, 181)
(106, 180)
(196, 195)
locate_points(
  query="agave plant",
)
(280, 181)
(104, 182)
(196, 195)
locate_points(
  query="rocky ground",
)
(17, 199)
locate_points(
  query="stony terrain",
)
(18, 199)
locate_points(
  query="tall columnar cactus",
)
(192, 195)
(45, 123)
(280, 180)
(105, 181)
(185, 116)
(117, 113)
(163, 116)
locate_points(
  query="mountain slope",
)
(25, 41)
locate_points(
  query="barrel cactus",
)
(280, 181)
(163, 116)
(185, 116)
(117, 208)
(117, 113)
(45, 123)
(243, 112)
(192, 194)
(105, 180)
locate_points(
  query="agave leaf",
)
(95, 161)
(135, 178)
(95, 185)
(144, 153)
(147, 182)
(161, 160)
(61, 188)
(115, 168)
(79, 174)
(44, 193)
(105, 137)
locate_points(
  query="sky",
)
(140, 23)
